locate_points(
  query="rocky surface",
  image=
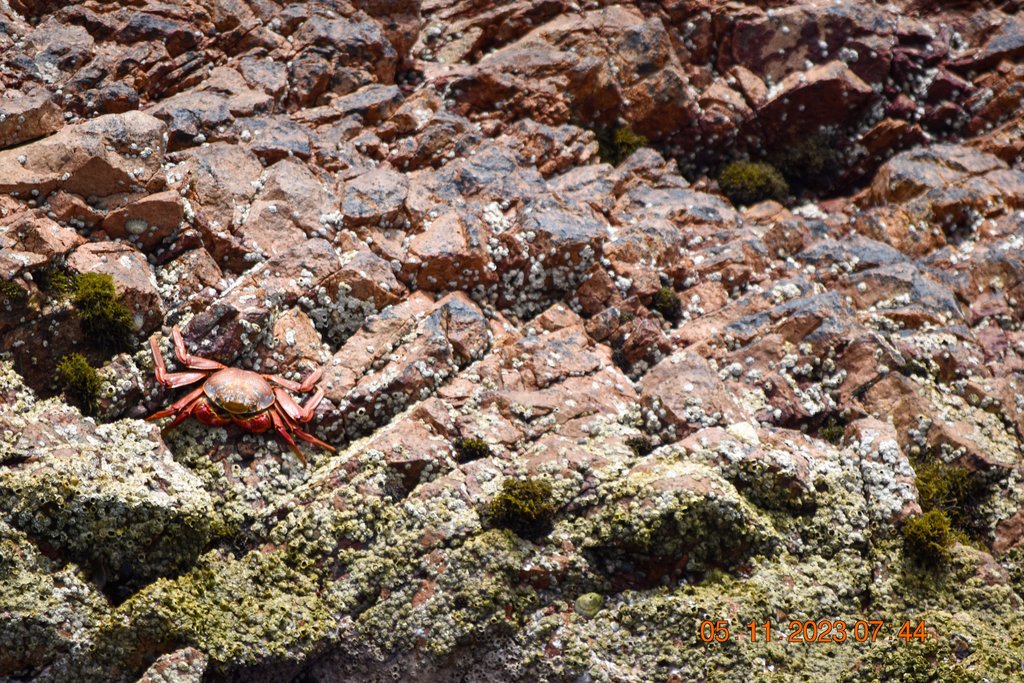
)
(496, 229)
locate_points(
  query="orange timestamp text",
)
(812, 631)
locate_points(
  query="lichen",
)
(48, 609)
(238, 611)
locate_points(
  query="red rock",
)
(27, 116)
(147, 221)
(195, 279)
(808, 100)
(106, 155)
(374, 197)
(34, 240)
(443, 337)
(686, 394)
(275, 138)
(890, 480)
(449, 254)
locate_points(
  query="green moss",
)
(810, 163)
(928, 538)
(471, 449)
(615, 145)
(105, 320)
(950, 489)
(746, 182)
(832, 431)
(640, 445)
(56, 283)
(667, 303)
(81, 382)
(523, 507)
(11, 294)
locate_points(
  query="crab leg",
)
(179, 407)
(281, 427)
(312, 439)
(294, 410)
(188, 360)
(299, 387)
(171, 379)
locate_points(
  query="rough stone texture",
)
(495, 229)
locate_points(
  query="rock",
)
(401, 358)
(194, 279)
(108, 496)
(109, 154)
(373, 103)
(147, 221)
(224, 328)
(27, 116)
(803, 101)
(890, 480)
(374, 197)
(684, 393)
(276, 138)
(473, 219)
(184, 666)
(32, 241)
(289, 207)
(670, 518)
(449, 253)
(49, 610)
(193, 116)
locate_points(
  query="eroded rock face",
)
(491, 228)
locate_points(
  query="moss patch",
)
(746, 182)
(811, 163)
(615, 145)
(523, 507)
(471, 449)
(667, 303)
(928, 538)
(640, 445)
(11, 294)
(57, 284)
(105, 320)
(81, 382)
(950, 489)
(832, 431)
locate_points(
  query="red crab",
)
(233, 396)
